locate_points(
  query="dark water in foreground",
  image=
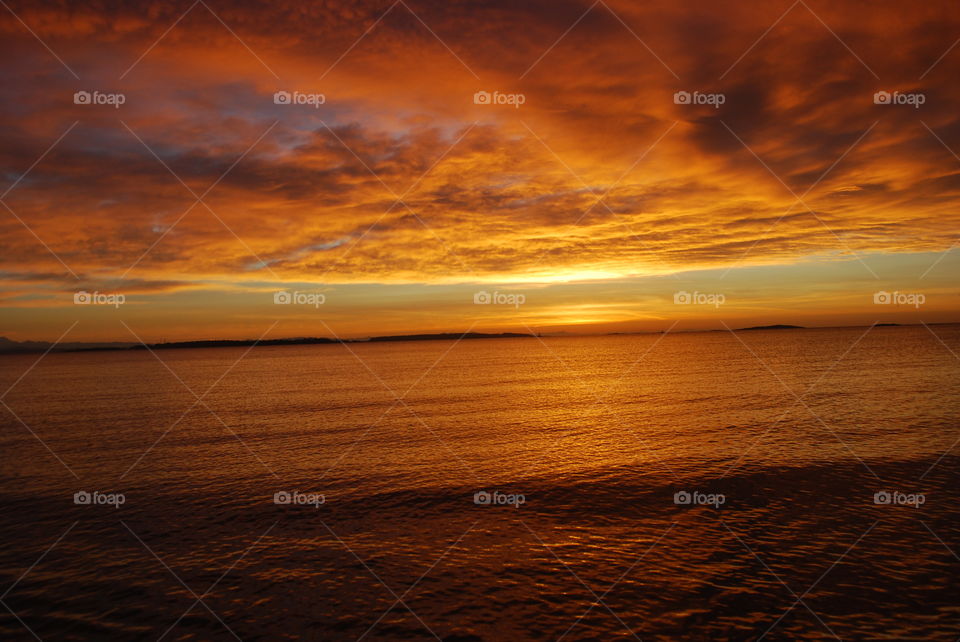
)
(597, 434)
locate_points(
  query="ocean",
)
(777, 485)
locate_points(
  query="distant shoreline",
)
(8, 346)
(26, 347)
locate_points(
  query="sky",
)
(439, 166)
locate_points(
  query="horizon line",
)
(105, 346)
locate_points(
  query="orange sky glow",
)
(593, 203)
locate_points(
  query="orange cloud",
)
(399, 177)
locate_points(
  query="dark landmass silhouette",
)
(227, 343)
(9, 346)
(450, 335)
(628, 334)
(779, 326)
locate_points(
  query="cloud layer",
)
(400, 177)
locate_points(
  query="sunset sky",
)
(399, 198)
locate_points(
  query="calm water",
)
(597, 435)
